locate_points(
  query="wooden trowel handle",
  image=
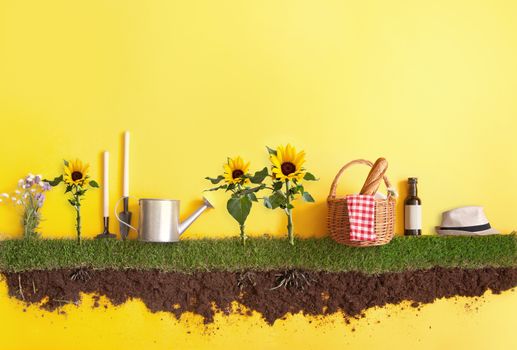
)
(373, 181)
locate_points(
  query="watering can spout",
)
(188, 221)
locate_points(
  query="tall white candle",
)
(105, 185)
(125, 192)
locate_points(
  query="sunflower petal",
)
(228, 178)
(280, 153)
(240, 162)
(276, 162)
(290, 152)
(246, 168)
(299, 159)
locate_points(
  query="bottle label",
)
(413, 217)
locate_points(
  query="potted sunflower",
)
(243, 188)
(287, 177)
(77, 182)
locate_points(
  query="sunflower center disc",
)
(237, 173)
(77, 175)
(288, 168)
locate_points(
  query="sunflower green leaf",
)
(239, 208)
(277, 185)
(309, 177)
(277, 199)
(55, 182)
(94, 184)
(217, 188)
(252, 197)
(271, 151)
(259, 176)
(216, 180)
(307, 197)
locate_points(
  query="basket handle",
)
(333, 188)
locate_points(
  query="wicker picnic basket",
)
(338, 222)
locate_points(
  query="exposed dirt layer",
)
(272, 293)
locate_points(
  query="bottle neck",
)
(413, 191)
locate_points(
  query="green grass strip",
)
(403, 253)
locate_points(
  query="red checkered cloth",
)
(361, 213)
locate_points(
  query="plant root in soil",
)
(80, 275)
(292, 279)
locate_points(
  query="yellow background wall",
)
(430, 85)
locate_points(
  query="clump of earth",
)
(274, 294)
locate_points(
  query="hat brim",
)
(490, 231)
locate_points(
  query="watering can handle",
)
(118, 218)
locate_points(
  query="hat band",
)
(468, 228)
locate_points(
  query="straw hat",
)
(465, 221)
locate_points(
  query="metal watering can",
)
(159, 219)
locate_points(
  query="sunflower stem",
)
(243, 235)
(78, 224)
(289, 213)
(78, 218)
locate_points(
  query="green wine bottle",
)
(412, 210)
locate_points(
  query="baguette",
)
(373, 181)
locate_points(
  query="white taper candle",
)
(125, 192)
(105, 185)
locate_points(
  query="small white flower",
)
(33, 190)
(21, 182)
(5, 195)
(25, 195)
(17, 192)
(18, 202)
(14, 199)
(1, 200)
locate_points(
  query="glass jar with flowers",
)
(29, 196)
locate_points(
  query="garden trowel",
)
(125, 219)
(106, 233)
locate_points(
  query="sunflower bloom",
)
(235, 170)
(287, 164)
(76, 173)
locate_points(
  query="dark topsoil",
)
(272, 293)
